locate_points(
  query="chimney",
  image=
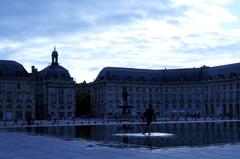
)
(33, 69)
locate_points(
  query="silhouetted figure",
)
(15, 121)
(125, 97)
(29, 119)
(149, 116)
(125, 94)
(29, 129)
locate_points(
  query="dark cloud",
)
(119, 18)
(25, 19)
(44, 18)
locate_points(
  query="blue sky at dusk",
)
(92, 34)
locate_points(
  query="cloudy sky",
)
(93, 34)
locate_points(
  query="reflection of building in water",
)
(185, 134)
(204, 91)
(59, 131)
(50, 92)
(102, 133)
(106, 132)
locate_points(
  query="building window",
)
(137, 89)
(224, 86)
(61, 96)
(18, 86)
(181, 106)
(1, 95)
(224, 95)
(69, 99)
(9, 96)
(53, 98)
(212, 88)
(1, 115)
(130, 89)
(166, 89)
(174, 106)
(237, 85)
(19, 115)
(166, 97)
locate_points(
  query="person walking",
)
(149, 116)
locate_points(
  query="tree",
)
(83, 104)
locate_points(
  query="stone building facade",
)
(49, 93)
(55, 91)
(205, 91)
(17, 100)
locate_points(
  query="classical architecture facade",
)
(55, 91)
(204, 91)
(17, 98)
(49, 93)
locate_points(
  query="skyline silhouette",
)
(90, 35)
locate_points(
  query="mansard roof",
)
(224, 71)
(12, 68)
(169, 75)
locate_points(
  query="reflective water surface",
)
(185, 134)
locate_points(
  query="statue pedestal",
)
(126, 112)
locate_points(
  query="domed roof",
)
(12, 68)
(55, 72)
